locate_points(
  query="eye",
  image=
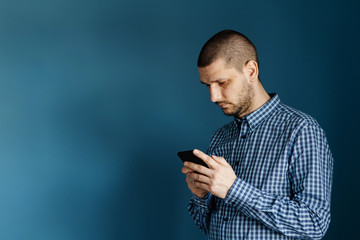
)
(222, 83)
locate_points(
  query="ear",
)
(251, 70)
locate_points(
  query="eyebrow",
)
(217, 80)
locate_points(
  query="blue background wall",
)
(96, 98)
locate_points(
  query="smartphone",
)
(188, 156)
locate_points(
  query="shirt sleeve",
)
(199, 209)
(306, 212)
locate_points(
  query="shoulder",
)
(223, 134)
(225, 130)
(293, 118)
(299, 125)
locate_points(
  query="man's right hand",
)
(190, 182)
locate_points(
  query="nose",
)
(215, 93)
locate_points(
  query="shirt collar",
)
(262, 113)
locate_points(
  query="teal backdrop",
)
(97, 97)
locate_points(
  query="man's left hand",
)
(217, 179)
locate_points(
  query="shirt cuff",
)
(202, 202)
(242, 194)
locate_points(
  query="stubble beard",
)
(243, 103)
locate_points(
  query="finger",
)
(220, 160)
(199, 168)
(206, 158)
(190, 180)
(186, 170)
(201, 185)
(199, 177)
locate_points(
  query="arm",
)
(200, 202)
(213, 181)
(306, 213)
(200, 210)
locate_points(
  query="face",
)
(228, 87)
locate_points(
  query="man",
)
(270, 170)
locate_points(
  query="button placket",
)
(241, 140)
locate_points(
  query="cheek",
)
(230, 95)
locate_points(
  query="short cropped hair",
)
(234, 47)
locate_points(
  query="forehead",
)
(216, 71)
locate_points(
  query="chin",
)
(229, 113)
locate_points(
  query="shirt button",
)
(225, 219)
(243, 136)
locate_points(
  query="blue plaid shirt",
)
(283, 166)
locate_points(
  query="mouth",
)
(222, 105)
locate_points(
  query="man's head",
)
(233, 47)
(228, 65)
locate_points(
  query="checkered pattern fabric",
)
(284, 168)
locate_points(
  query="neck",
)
(260, 97)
